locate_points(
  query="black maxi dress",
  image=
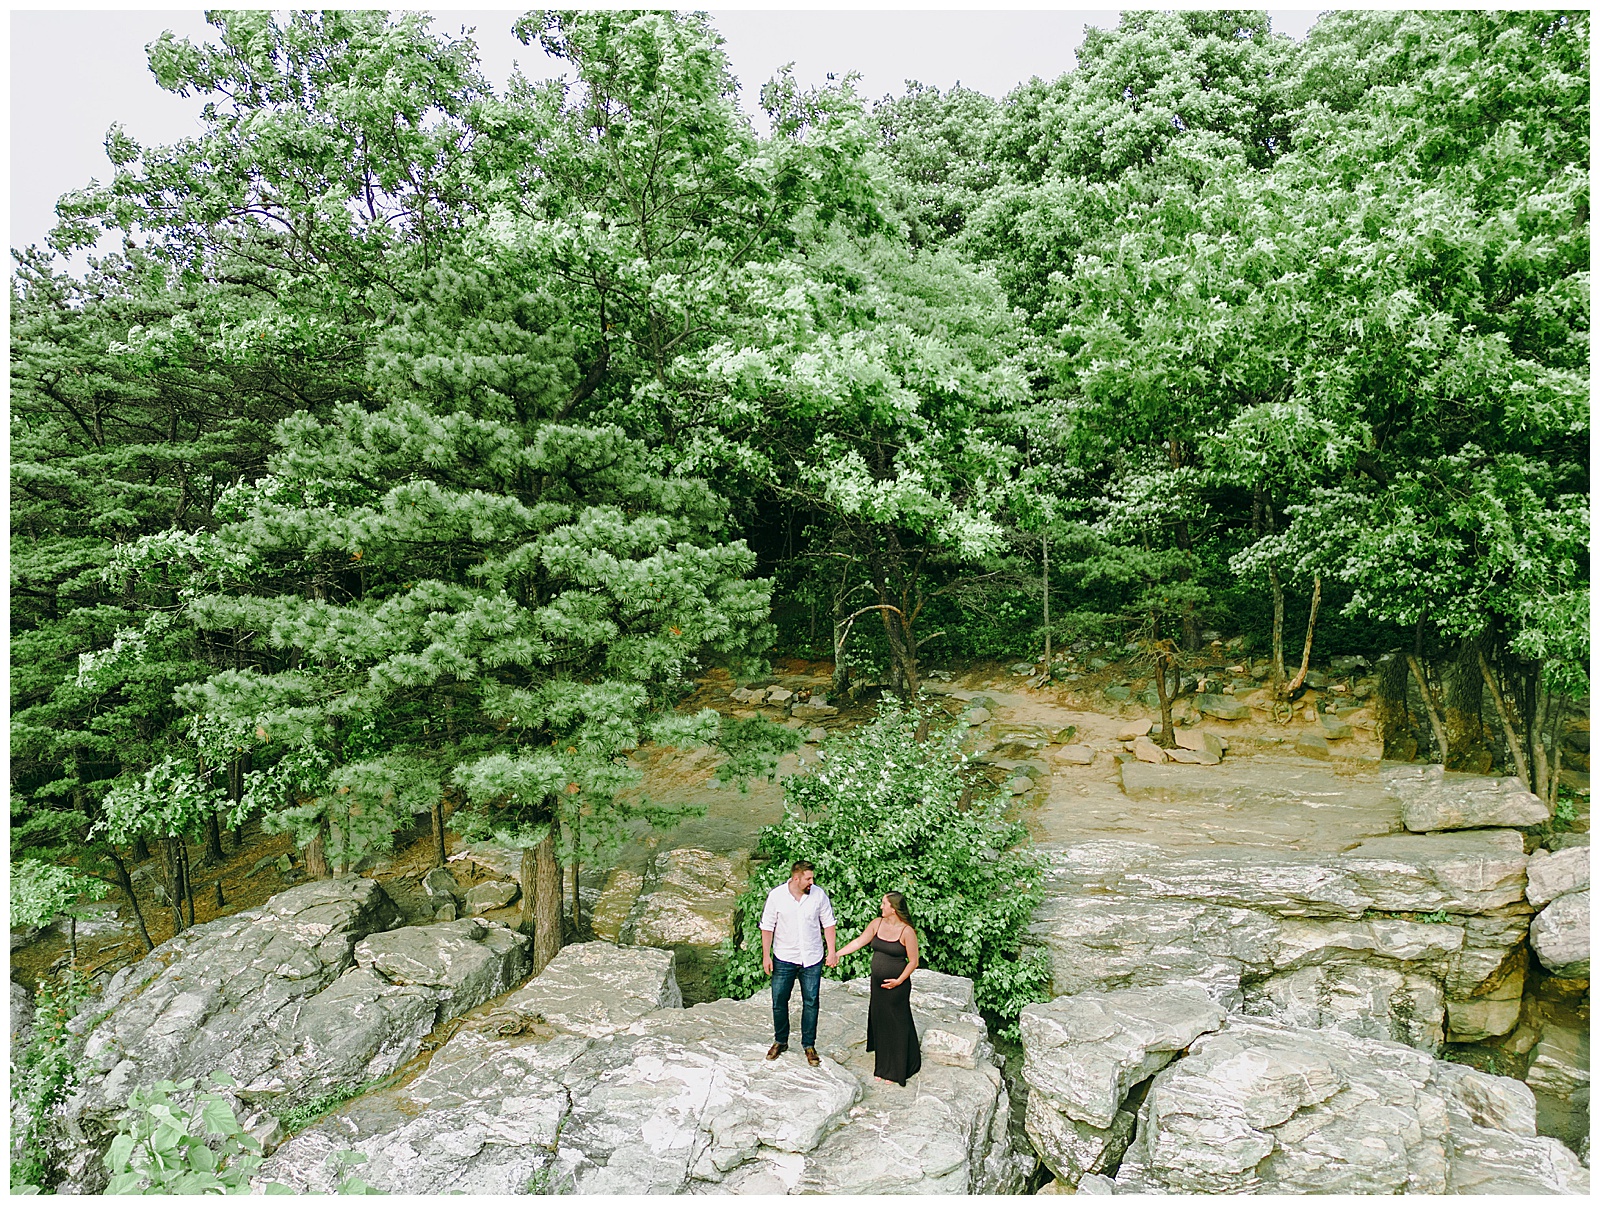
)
(891, 1033)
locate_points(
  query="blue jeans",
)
(783, 976)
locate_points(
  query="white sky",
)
(74, 73)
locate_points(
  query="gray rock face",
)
(486, 897)
(1559, 1076)
(693, 900)
(1560, 936)
(269, 995)
(1261, 931)
(1432, 799)
(1265, 1108)
(674, 1100)
(469, 961)
(21, 1020)
(1084, 1052)
(595, 988)
(1554, 874)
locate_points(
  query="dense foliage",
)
(423, 443)
(882, 811)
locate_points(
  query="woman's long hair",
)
(898, 903)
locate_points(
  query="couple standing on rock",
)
(795, 923)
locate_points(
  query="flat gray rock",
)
(678, 1101)
(1433, 799)
(1560, 936)
(1555, 874)
(689, 898)
(490, 895)
(595, 988)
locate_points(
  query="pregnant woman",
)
(891, 1033)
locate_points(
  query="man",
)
(795, 923)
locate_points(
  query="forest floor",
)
(1261, 794)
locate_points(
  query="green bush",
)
(43, 1078)
(884, 813)
(157, 1150)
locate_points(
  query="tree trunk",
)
(141, 850)
(1278, 673)
(1541, 760)
(188, 877)
(317, 858)
(72, 939)
(214, 838)
(525, 881)
(220, 902)
(1045, 539)
(1433, 712)
(125, 881)
(1513, 743)
(438, 831)
(174, 883)
(1165, 739)
(1311, 624)
(546, 904)
(1558, 718)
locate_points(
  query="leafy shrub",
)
(158, 1151)
(43, 1078)
(884, 813)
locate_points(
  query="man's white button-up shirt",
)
(796, 925)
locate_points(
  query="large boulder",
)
(1265, 1108)
(270, 996)
(1560, 936)
(595, 988)
(1556, 874)
(689, 898)
(469, 961)
(1433, 799)
(673, 1100)
(1082, 1054)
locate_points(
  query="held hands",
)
(832, 959)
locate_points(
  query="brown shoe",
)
(813, 1057)
(777, 1049)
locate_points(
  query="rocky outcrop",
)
(1556, 874)
(603, 1090)
(1404, 937)
(685, 896)
(1082, 1056)
(302, 996)
(1258, 1107)
(1433, 799)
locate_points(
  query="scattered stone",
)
(446, 912)
(1065, 736)
(1134, 729)
(440, 884)
(1555, 874)
(1336, 729)
(1077, 755)
(778, 696)
(812, 710)
(816, 736)
(1560, 936)
(978, 715)
(1224, 707)
(1146, 750)
(486, 897)
(1193, 757)
(1022, 667)
(1094, 1184)
(1117, 694)
(1312, 744)
(1199, 740)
